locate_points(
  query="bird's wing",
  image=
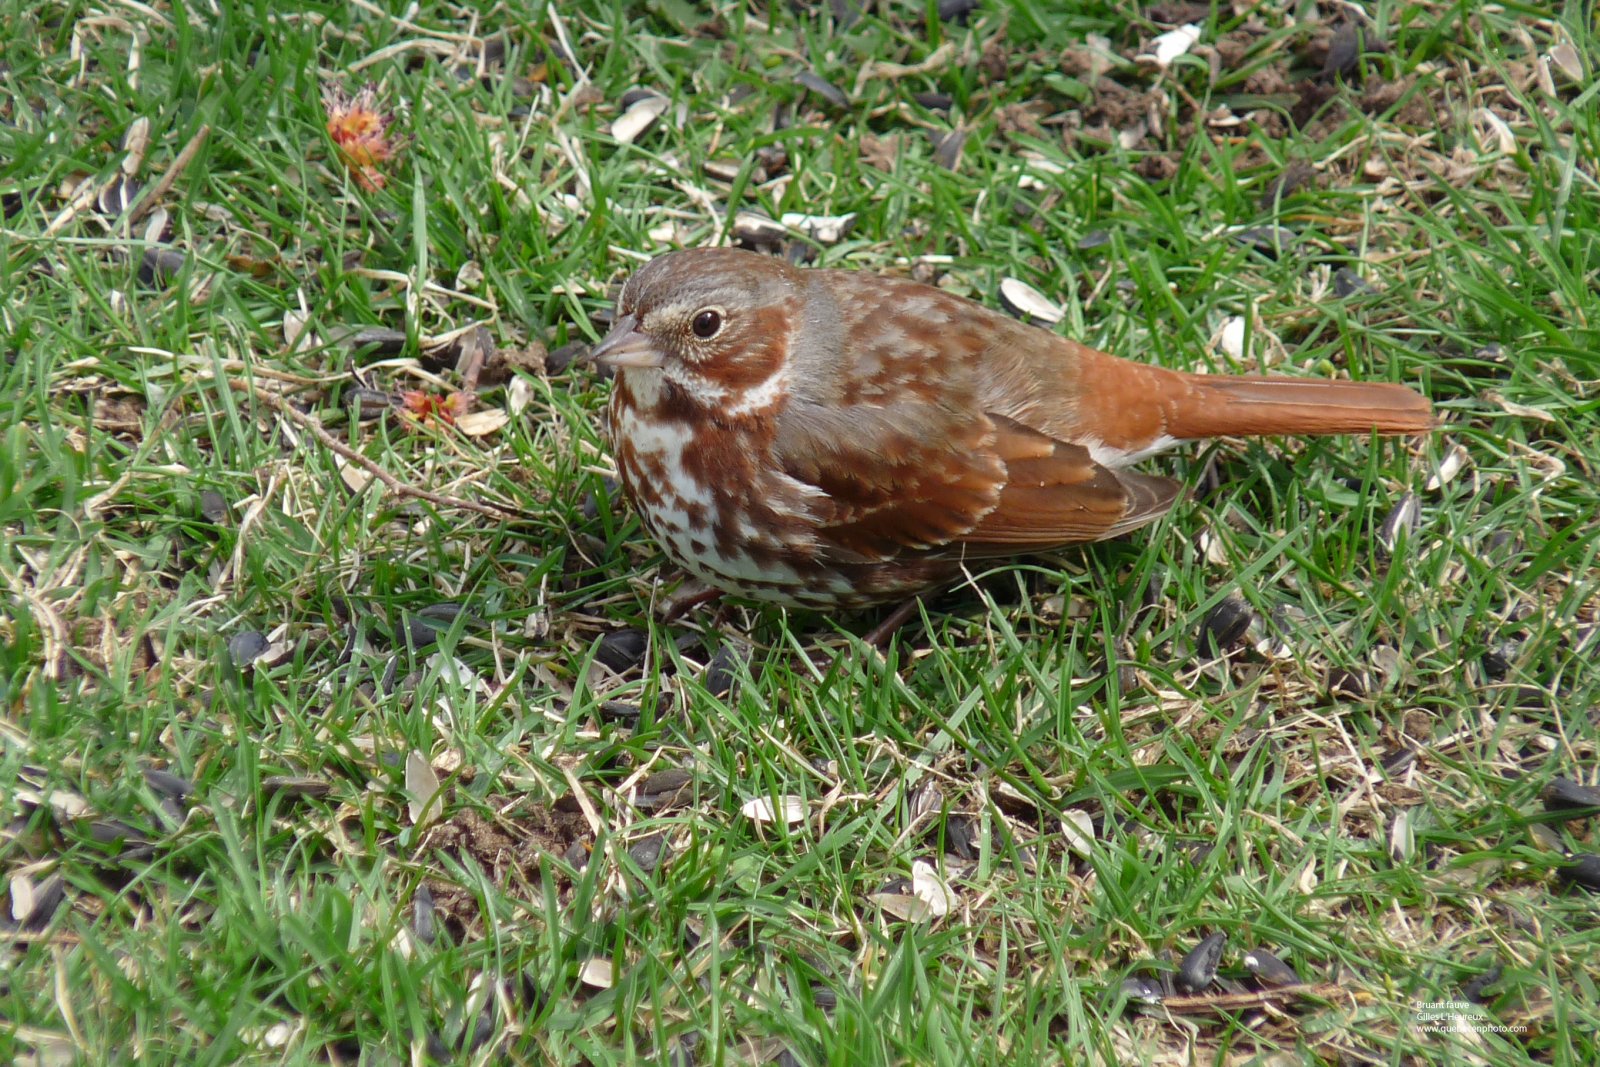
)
(908, 476)
(911, 477)
(1055, 493)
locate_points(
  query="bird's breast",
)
(707, 490)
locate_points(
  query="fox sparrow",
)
(832, 439)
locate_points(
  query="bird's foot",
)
(688, 596)
(879, 635)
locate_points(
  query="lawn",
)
(338, 717)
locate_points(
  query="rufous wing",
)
(989, 486)
(1055, 493)
(897, 477)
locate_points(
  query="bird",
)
(832, 439)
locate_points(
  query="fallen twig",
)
(313, 425)
(85, 194)
(1243, 1001)
(893, 71)
(179, 163)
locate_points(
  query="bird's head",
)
(715, 324)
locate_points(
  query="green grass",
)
(1391, 844)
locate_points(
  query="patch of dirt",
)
(1158, 167)
(1419, 110)
(1019, 118)
(881, 152)
(119, 413)
(510, 848)
(995, 60)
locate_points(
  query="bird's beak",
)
(626, 346)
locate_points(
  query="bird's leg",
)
(879, 635)
(688, 596)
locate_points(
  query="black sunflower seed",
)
(1347, 283)
(129, 842)
(591, 501)
(577, 855)
(214, 507)
(663, 788)
(369, 340)
(530, 994)
(823, 997)
(297, 786)
(1269, 969)
(1268, 240)
(1402, 523)
(845, 13)
(1027, 303)
(565, 356)
(1583, 872)
(1577, 800)
(42, 903)
(956, 11)
(1224, 626)
(1497, 660)
(961, 836)
(160, 265)
(1143, 990)
(1476, 990)
(650, 852)
(823, 88)
(622, 650)
(171, 813)
(1199, 968)
(168, 784)
(481, 1030)
(947, 147)
(1351, 41)
(722, 670)
(1294, 176)
(620, 711)
(634, 95)
(245, 647)
(118, 195)
(422, 921)
(683, 1050)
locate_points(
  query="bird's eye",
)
(707, 323)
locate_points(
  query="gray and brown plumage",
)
(833, 439)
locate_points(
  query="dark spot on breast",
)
(676, 404)
(653, 467)
(725, 533)
(643, 491)
(723, 461)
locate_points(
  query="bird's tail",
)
(1217, 405)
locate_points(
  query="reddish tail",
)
(1135, 407)
(1217, 405)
